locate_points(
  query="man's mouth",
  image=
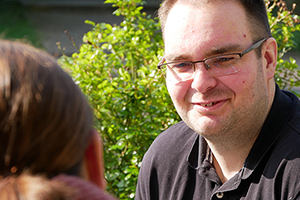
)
(208, 105)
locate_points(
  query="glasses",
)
(216, 65)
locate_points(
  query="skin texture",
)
(241, 101)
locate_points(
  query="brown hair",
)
(255, 11)
(30, 187)
(45, 120)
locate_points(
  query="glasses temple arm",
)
(256, 45)
(161, 62)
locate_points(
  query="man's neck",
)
(229, 159)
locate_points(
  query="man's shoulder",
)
(294, 120)
(176, 141)
(179, 132)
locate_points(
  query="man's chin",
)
(205, 126)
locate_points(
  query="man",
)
(239, 138)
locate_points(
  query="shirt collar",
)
(198, 153)
(276, 121)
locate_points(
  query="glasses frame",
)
(254, 46)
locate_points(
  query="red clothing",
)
(84, 189)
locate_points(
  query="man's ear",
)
(93, 165)
(269, 56)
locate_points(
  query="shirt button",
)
(220, 195)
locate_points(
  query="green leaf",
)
(89, 22)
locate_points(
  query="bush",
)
(284, 26)
(116, 69)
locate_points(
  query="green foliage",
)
(116, 69)
(284, 26)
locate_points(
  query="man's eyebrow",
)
(231, 48)
(172, 57)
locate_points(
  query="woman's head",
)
(45, 120)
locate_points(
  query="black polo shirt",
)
(178, 165)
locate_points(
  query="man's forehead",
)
(211, 31)
(199, 3)
(184, 21)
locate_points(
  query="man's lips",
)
(209, 105)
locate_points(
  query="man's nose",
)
(202, 79)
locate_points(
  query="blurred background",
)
(43, 22)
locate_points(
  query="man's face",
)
(224, 105)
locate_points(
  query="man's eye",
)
(225, 59)
(182, 67)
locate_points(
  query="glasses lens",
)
(224, 64)
(179, 71)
